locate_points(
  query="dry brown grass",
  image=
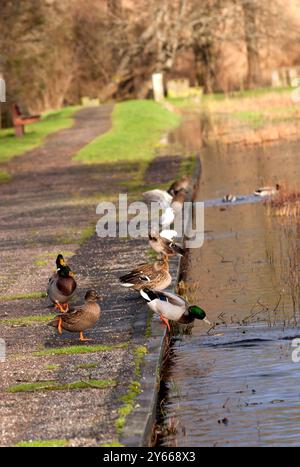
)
(286, 203)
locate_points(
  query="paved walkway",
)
(44, 210)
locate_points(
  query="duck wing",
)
(169, 297)
(161, 197)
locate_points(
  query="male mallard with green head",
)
(81, 318)
(62, 285)
(154, 276)
(172, 307)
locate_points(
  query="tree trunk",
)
(254, 77)
(204, 57)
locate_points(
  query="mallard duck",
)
(62, 285)
(178, 200)
(81, 318)
(170, 306)
(163, 198)
(154, 276)
(163, 245)
(229, 198)
(267, 190)
(167, 218)
(181, 184)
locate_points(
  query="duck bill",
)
(207, 321)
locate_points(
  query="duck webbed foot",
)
(59, 326)
(82, 338)
(62, 308)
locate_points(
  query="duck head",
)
(197, 313)
(91, 296)
(60, 261)
(63, 269)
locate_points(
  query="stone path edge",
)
(139, 424)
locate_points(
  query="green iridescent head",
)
(197, 313)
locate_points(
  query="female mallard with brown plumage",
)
(62, 285)
(178, 185)
(154, 276)
(81, 318)
(163, 245)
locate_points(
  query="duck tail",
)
(148, 295)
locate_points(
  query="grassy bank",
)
(35, 133)
(256, 108)
(136, 130)
(257, 116)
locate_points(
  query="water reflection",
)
(245, 390)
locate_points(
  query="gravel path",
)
(47, 208)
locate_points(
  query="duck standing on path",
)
(172, 307)
(81, 318)
(154, 276)
(62, 285)
(165, 246)
(178, 201)
(267, 191)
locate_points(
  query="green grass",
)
(79, 349)
(86, 366)
(128, 400)
(40, 262)
(51, 366)
(27, 320)
(189, 103)
(136, 129)
(23, 296)
(55, 386)
(43, 443)
(112, 444)
(5, 176)
(35, 133)
(86, 233)
(48, 254)
(133, 390)
(255, 119)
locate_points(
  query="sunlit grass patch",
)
(35, 133)
(55, 386)
(5, 176)
(133, 390)
(136, 129)
(44, 443)
(51, 366)
(40, 262)
(79, 349)
(86, 366)
(27, 320)
(112, 444)
(23, 296)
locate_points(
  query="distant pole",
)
(2, 95)
(158, 86)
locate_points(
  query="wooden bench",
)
(20, 120)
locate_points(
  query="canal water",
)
(236, 384)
